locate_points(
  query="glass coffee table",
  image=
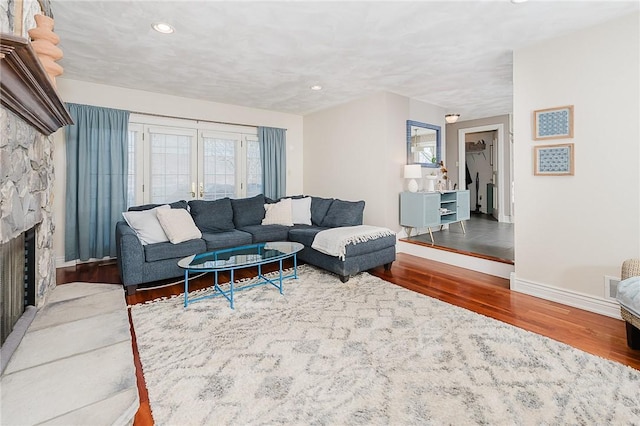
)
(234, 258)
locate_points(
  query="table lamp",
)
(413, 172)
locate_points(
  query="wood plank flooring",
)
(481, 293)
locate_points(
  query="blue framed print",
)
(553, 123)
(553, 160)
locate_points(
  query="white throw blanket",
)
(334, 241)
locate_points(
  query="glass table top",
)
(236, 257)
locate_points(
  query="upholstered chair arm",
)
(630, 268)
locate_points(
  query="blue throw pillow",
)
(344, 213)
(319, 208)
(182, 204)
(212, 216)
(248, 211)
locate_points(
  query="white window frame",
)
(144, 125)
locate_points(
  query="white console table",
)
(429, 209)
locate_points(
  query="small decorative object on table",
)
(431, 183)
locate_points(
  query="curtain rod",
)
(192, 119)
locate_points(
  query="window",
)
(171, 168)
(168, 164)
(219, 166)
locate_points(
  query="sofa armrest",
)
(130, 254)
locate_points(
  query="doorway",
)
(482, 150)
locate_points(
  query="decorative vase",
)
(431, 183)
(44, 42)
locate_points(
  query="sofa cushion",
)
(344, 213)
(319, 208)
(161, 251)
(178, 225)
(248, 211)
(264, 233)
(629, 294)
(146, 225)
(182, 204)
(304, 234)
(224, 239)
(212, 216)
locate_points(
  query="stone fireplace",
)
(26, 183)
(30, 112)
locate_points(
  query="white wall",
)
(351, 153)
(356, 151)
(573, 230)
(154, 103)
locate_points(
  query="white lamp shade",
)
(412, 171)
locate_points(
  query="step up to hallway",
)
(74, 365)
(471, 261)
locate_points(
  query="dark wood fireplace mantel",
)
(26, 89)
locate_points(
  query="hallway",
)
(485, 237)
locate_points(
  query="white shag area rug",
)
(365, 352)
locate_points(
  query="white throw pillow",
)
(178, 225)
(301, 210)
(146, 226)
(278, 213)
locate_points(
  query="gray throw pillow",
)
(344, 213)
(248, 211)
(319, 208)
(212, 216)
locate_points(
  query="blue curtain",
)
(273, 152)
(97, 156)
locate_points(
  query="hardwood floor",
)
(481, 293)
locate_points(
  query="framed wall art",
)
(553, 160)
(553, 123)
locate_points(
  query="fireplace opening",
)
(17, 279)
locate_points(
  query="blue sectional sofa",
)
(234, 222)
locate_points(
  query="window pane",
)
(219, 168)
(170, 167)
(254, 169)
(131, 178)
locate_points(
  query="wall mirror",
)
(423, 144)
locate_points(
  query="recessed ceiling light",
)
(162, 27)
(316, 87)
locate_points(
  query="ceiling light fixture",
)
(162, 27)
(518, 1)
(451, 118)
(316, 87)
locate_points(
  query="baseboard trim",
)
(60, 262)
(598, 305)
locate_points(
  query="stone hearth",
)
(26, 184)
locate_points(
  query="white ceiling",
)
(455, 54)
